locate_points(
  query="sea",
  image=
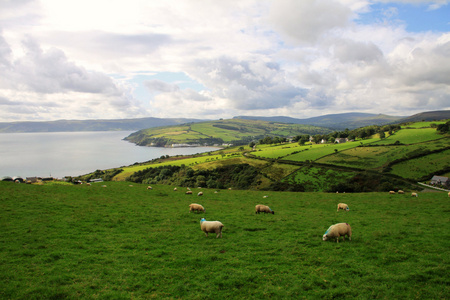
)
(60, 154)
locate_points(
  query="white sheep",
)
(189, 192)
(149, 188)
(391, 192)
(175, 189)
(342, 206)
(211, 226)
(414, 195)
(338, 230)
(263, 208)
(200, 194)
(400, 192)
(449, 194)
(196, 207)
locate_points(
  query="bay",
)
(59, 154)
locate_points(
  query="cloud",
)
(283, 57)
(308, 20)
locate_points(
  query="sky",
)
(115, 59)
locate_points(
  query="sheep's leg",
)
(206, 234)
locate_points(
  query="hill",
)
(334, 121)
(235, 131)
(375, 158)
(91, 125)
(427, 116)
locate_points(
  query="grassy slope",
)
(417, 137)
(128, 242)
(226, 130)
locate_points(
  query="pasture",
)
(122, 242)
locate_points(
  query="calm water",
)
(60, 154)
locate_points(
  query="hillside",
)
(91, 125)
(235, 131)
(334, 121)
(398, 160)
(427, 116)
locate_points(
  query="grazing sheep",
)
(149, 188)
(196, 207)
(414, 195)
(175, 189)
(400, 192)
(264, 196)
(391, 192)
(200, 194)
(189, 192)
(342, 206)
(263, 208)
(211, 226)
(449, 194)
(338, 230)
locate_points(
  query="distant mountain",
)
(92, 125)
(334, 121)
(427, 116)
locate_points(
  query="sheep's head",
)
(202, 220)
(348, 208)
(272, 212)
(325, 237)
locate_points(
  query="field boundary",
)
(433, 187)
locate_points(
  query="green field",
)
(422, 166)
(127, 242)
(220, 131)
(411, 136)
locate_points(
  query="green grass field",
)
(411, 136)
(127, 242)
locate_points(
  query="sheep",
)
(200, 194)
(196, 207)
(338, 230)
(211, 226)
(149, 188)
(400, 192)
(265, 196)
(263, 208)
(189, 193)
(391, 192)
(414, 195)
(175, 189)
(342, 206)
(449, 194)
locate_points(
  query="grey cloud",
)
(112, 44)
(426, 66)
(158, 86)
(247, 84)
(51, 72)
(353, 51)
(161, 86)
(306, 21)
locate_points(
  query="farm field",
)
(122, 242)
(376, 157)
(411, 136)
(422, 166)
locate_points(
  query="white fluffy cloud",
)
(252, 57)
